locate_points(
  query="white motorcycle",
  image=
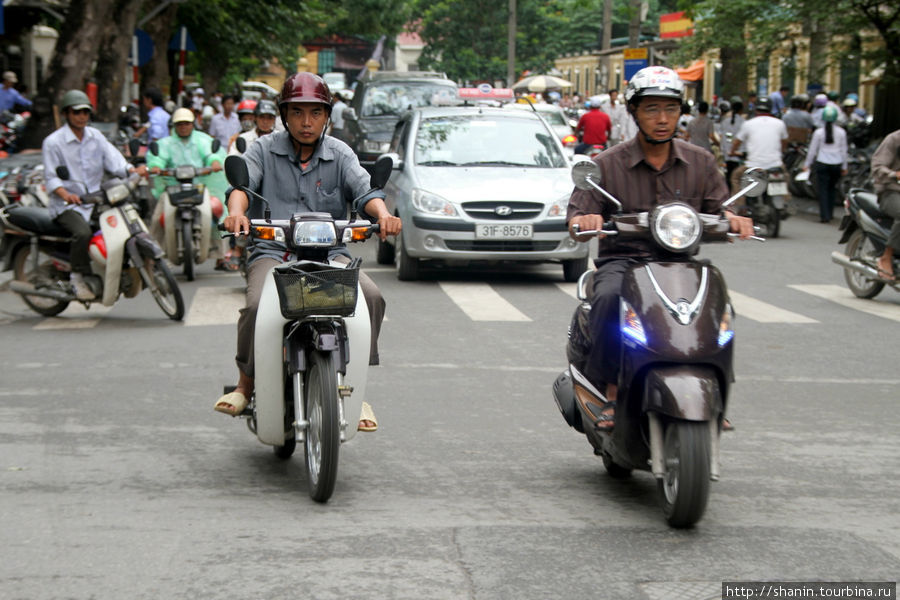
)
(124, 257)
(187, 215)
(307, 388)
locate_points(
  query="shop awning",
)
(694, 72)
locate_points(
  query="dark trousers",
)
(889, 203)
(81, 233)
(828, 177)
(256, 278)
(604, 355)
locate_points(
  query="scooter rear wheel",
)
(860, 247)
(323, 437)
(684, 489)
(45, 272)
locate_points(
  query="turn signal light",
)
(264, 233)
(569, 140)
(359, 234)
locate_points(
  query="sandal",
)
(366, 415)
(231, 404)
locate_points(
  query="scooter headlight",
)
(726, 326)
(184, 172)
(315, 234)
(676, 227)
(117, 194)
(630, 323)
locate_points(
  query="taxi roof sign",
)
(486, 92)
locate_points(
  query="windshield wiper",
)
(496, 162)
(438, 163)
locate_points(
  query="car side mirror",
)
(236, 172)
(241, 144)
(62, 171)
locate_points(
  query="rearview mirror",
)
(216, 144)
(236, 172)
(154, 148)
(134, 147)
(62, 171)
(758, 178)
(582, 169)
(381, 172)
(241, 144)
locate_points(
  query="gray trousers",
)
(889, 203)
(256, 278)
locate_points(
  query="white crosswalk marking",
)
(215, 306)
(569, 288)
(74, 317)
(481, 303)
(844, 297)
(763, 312)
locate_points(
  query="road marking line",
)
(215, 306)
(763, 312)
(569, 288)
(76, 316)
(844, 297)
(481, 303)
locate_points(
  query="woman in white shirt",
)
(828, 154)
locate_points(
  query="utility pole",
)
(511, 45)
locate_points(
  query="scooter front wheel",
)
(684, 489)
(164, 288)
(323, 437)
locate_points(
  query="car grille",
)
(500, 246)
(488, 210)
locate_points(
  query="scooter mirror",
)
(381, 172)
(582, 168)
(134, 147)
(241, 144)
(62, 171)
(216, 144)
(154, 148)
(758, 178)
(236, 172)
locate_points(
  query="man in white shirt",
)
(225, 124)
(765, 138)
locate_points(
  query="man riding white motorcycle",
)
(296, 170)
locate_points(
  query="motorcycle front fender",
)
(115, 235)
(686, 392)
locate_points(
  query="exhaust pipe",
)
(853, 265)
(26, 289)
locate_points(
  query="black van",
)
(379, 100)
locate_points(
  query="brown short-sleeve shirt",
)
(690, 175)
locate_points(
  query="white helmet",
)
(654, 81)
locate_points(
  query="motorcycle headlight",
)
(558, 208)
(630, 323)
(433, 204)
(116, 194)
(184, 172)
(726, 326)
(676, 227)
(314, 233)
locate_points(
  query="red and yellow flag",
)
(675, 25)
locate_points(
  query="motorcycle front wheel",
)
(684, 490)
(860, 248)
(187, 249)
(323, 437)
(159, 279)
(45, 275)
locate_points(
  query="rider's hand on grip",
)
(585, 223)
(389, 225)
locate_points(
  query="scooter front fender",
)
(687, 392)
(115, 236)
(268, 358)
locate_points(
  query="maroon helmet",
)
(307, 88)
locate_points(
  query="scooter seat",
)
(35, 219)
(868, 201)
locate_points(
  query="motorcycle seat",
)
(868, 201)
(36, 219)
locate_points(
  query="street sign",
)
(144, 48)
(635, 60)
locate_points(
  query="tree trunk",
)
(818, 55)
(73, 58)
(734, 71)
(156, 72)
(112, 62)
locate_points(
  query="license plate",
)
(777, 188)
(503, 231)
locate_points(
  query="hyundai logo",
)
(503, 211)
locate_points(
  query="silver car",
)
(473, 183)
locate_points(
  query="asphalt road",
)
(119, 480)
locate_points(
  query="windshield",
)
(553, 117)
(396, 98)
(486, 140)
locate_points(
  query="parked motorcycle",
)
(865, 231)
(188, 215)
(309, 385)
(677, 350)
(124, 257)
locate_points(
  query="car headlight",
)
(432, 204)
(375, 146)
(676, 227)
(559, 208)
(314, 233)
(726, 326)
(630, 323)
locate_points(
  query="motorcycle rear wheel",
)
(323, 437)
(187, 249)
(860, 247)
(158, 277)
(684, 489)
(46, 273)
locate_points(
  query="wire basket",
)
(309, 289)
